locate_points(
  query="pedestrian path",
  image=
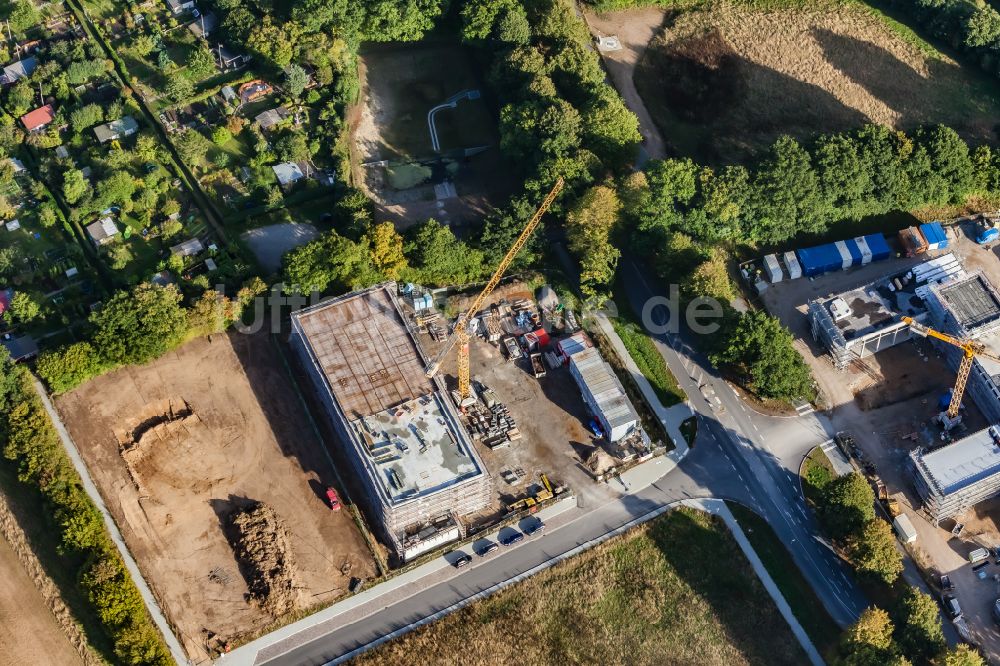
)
(719, 508)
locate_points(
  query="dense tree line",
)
(30, 442)
(796, 189)
(137, 326)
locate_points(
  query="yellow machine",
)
(460, 334)
(971, 348)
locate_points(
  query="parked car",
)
(511, 538)
(490, 547)
(951, 607)
(996, 610)
(946, 584)
(356, 584)
(462, 561)
(332, 499)
(534, 526)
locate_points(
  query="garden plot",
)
(396, 160)
(727, 80)
(186, 451)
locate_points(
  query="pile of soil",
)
(260, 540)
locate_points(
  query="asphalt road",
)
(739, 455)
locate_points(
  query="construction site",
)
(450, 427)
(906, 353)
(207, 462)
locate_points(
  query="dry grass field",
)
(727, 79)
(675, 591)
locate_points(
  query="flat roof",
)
(364, 349)
(972, 301)
(605, 388)
(413, 450)
(962, 463)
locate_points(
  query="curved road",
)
(738, 455)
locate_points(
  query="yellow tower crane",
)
(971, 349)
(460, 334)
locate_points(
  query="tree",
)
(23, 307)
(589, 226)
(86, 117)
(441, 259)
(163, 61)
(74, 186)
(68, 367)
(221, 136)
(874, 552)
(848, 505)
(47, 215)
(961, 655)
(191, 146)
(200, 64)
(868, 642)
(787, 193)
(135, 327)
(23, 15)
(982, 27)
(117, 188)
(293, 147)
(918, 625)
(328, 260)
(711, 278)
(296, 80)
(400, 20)
(179, 88)
(762, 349)
(610, 129)
(386, 250)
(10, 261)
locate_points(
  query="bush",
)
(68, 367)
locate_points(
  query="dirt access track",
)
(176, 445)
(725, 80)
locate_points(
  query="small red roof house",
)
(252, 90)
(39, 118)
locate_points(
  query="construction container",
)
(603, 394)
(792, 263)
(820, 259)
(866, 252)
(773, 268)
(935, 236)
(913, 241)
(878, 247)
(904, 528)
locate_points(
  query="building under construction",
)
(958, 476)
(415, 462)
(969, 309)
(858, 323)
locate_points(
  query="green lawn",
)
(676, 590)
(806, 606)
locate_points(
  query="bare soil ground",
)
(176, 446)
(725, 81)
(28, 630)
(399, 86)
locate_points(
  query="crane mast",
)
(460, 333)
(970, 348)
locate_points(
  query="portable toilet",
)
(792, 263)
(773, 268)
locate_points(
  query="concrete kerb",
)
(717, 507)
(152, 605)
